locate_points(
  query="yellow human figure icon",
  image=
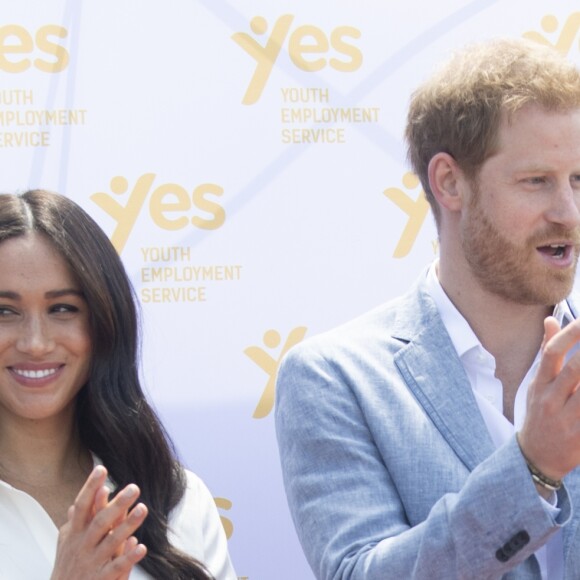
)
(550, 24)
(417, 211)
(272, 339)
(266, 55)
(125, 215)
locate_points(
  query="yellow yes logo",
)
(270, 365)
(171, 206)
(308, 47)
(20, 49)
(567, 32)
(417, 210)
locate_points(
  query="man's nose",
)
(565, 206)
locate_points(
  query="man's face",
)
(520, 227)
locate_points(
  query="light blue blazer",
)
(389, 469)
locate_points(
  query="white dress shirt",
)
(479, 366)
(28, 536)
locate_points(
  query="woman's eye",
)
(64, 308)
(6, 311)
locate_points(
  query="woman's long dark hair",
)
(114, 419)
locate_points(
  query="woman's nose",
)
(35, 337)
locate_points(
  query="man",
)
(407, 445)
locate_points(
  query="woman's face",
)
(45, 344)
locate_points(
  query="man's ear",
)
(444, 180)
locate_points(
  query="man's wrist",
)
(544, 484)
(542, 479)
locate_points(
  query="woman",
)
(74, 422)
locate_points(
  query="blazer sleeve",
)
(349, 515)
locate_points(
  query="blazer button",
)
(512, 546)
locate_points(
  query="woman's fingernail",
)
(130, 491)
(98, 472)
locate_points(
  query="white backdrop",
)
(246, 160)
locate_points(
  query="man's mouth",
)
(558, 251)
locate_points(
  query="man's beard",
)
(512, 271)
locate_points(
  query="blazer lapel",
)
(431, 368)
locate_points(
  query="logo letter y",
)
(124, 216)
(265, 55)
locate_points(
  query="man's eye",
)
(536, 180)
